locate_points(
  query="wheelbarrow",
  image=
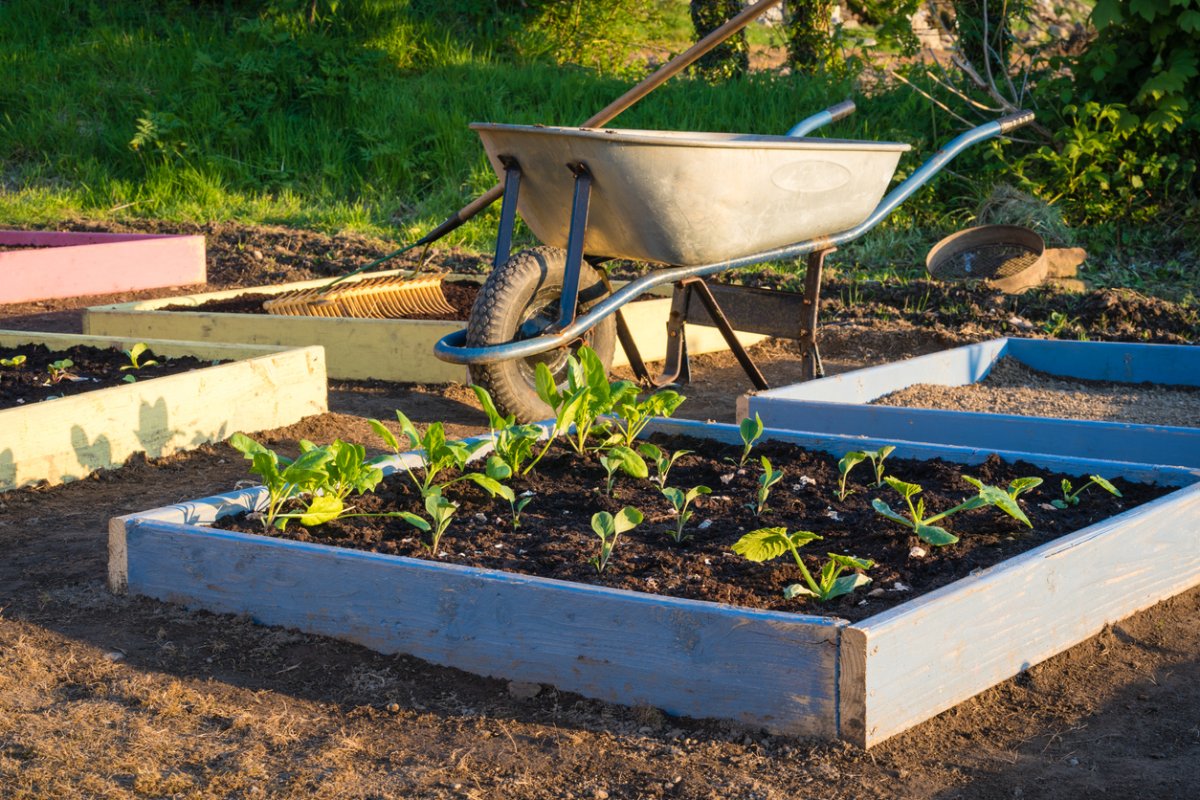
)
(693, 204)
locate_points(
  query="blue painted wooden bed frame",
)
(818, 676)
(839, 404)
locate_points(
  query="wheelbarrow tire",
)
(518, 300)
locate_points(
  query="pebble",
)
(600, 794)
(394, 708)
(833, 515)
(727, 478)
(803, 481)
(705, 525)
(481, 517)
(527, 493)
(917, 552)
(256, 255)
(1047, 507)
(521, 690)
(900, 586)
(876, 592)
(115, 655)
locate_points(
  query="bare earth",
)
(104, 696)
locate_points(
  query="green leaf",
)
(885, 510)
(675, 497)
(388, 437)
(1001, 499)
(851, 562)
(410, 430)
(627, 519)
(1060, 504)
(696, 491)
(932, 534)
(1022, 485)
(849, 461)
(490, 485)
(907, 490)
(650, 451)
(750, 429)
(763, 544)
(1105, 485)
(603, 524)
(546, 388)
(792, 591)
(497, 468)
(631, 463)
(245, 445)
(489, 407)
(323, 508)
(846, 584)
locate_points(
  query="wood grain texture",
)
(71, 437)
(356, 349)
(838, 405)
(930, 654)
(683, 656)
(71, 264)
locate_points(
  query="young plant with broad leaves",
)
(440, 511)
(633, 415)
(1072, 498)
(134, 354)
(14, 362)
(347, 471)
(877, 457)
(750, 430)
(1021, 485)
(766, 544)
(924, 526)
(662, 461)
(584, 400)
(681, 501)
(60, 370)
(609, 528)
(620, 458)
(439, 456)
(845, 464)
(283, 478)
(511, 443)
(769, 477)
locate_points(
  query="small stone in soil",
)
(917, 552)
(900, 586)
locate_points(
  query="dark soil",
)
(555, 539)
(94, 368)
(459, 294)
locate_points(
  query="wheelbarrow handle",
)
(831, 114)
(1014, 121)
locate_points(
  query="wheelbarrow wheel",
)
(519, 301)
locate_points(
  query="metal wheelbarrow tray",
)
(695, 203)
(685, 198)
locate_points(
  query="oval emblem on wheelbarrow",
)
(810, 176)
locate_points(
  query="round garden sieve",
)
(1008, 257)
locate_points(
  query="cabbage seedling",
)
(440, 455)
(769, 478)
(14, 362)
(609, 528)
(624, 459)
(634, 415)
(133, 354)
(1070, 498)
(511, 442)
(282, 478)
(662, 461)
(60, 370)
(441, 511)
(680, 500)
(765, 544)
(847, 463)
(751, 430)
(587, 396)
(1022, 485)
(877, 458)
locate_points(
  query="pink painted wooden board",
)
(74, 264)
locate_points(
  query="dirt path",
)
(104, 696)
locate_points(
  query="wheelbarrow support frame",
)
(570, 327)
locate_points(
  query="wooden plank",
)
(955, 367)
(71, 437)
(839, 404)
(74, 264)
(358, 349)
(930, 654)
(838, 445)
(682, 656)
(1120, 362)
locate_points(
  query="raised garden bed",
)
(843, 403)
(72, 436)
(356, 349)
(814, 675)
(40, 265)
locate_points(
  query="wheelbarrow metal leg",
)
(569, 302)
(722, 322)
(810, 353)
(677, 369)
(508, 211)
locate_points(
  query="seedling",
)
(662, 461)
(133, 354)
(847, 463)
(923, 526)
(1070, 498)
(60, 370)
(877, 458)
(440, 455)
(441, 511)
(769, 478)
(680, 501)
(586, 397)
(510, 442)
(624, 459)
(634, 415)
(751, 430)
(609, 528)
(1022, 485)
(13, 362)
(768, 543)
(283, 478)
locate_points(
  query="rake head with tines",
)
(372, 298)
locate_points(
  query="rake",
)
(371, 298)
